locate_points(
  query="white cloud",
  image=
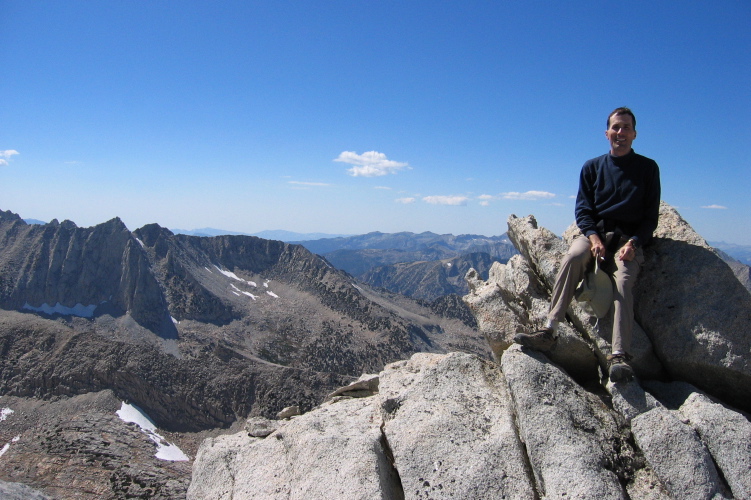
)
(717, 207)
(446, 200)
(405, 201)
(386, 188)
(485, 199)
(6, 154)
(370, 164)
(529, 195)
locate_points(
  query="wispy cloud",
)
(715, 207)
(446, 200)
(529, 195)
(405, 201)
(485, 199)
(308, 184)
(385, 188)
(370, 164)
(6, 154)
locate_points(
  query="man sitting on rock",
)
(617, 208)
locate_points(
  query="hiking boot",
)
(618, 368)
(541, 340)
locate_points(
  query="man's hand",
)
(627, 252)
(596, 247)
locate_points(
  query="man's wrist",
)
(634, 243)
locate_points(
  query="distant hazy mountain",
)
(429, 280)
(276, 235)
(401, 241)
(289, 236)
(741, 253)
(423, 266)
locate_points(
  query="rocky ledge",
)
(457, 426)
(531, 425)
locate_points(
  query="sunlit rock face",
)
(691, 311)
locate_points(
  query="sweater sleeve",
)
(648, 224)
(585, 205)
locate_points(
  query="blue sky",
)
(354, 116)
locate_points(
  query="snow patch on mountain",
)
(232, 275)
(77, 310)
(164, 450)
(237, 292)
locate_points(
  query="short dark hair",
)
(621, 111)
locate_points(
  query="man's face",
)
(621, 134)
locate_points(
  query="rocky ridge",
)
(532, 425)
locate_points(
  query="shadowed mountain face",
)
(198, 331)
(63, 268)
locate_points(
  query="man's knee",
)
(577, 255)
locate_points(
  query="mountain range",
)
(197, 332)
(123, 351)
(741, 253)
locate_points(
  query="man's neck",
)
(613, 153)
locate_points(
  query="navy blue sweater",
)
(620, 193)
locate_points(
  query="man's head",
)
(621, 131)
(622, 111)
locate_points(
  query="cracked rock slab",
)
(449, 422)
(677, 456)
(334, 452)
(727, 434)
(572, 439)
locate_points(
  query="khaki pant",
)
(573, 268)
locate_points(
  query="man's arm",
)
(643, 233)
(585, 209)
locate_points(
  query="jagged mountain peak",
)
(66, 224)
(8, 215)
(151, 233)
